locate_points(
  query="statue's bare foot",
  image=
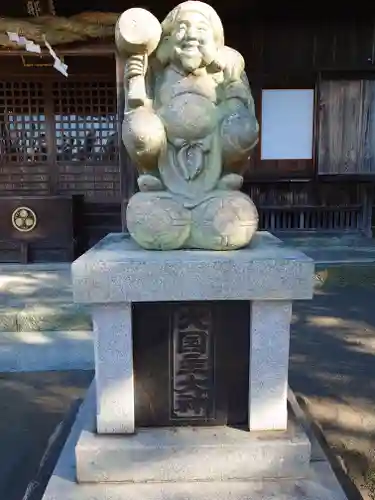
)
(157, 222)
(231, 182)
(147, 182)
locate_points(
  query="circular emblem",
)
(24, 219)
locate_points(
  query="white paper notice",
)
(13, 37)
(287, 124)
(60, 66)
(28, 44)
(33, 47)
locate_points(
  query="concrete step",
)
(192, 454)
(46, 350)
(320, 484)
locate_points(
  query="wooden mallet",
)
(137, 32)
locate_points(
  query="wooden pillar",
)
(53, 181)
(127, 170)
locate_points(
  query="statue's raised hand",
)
(135, 67)
(234, 65)
(137, 35)
(134, 76)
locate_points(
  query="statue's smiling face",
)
(194, 43)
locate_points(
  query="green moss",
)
(345, 275)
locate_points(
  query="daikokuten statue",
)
(190, 133)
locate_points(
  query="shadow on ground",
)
(23, 287)
(31, 406)
(333, 368)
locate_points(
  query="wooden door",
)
(346, 127)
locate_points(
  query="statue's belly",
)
(189, 117)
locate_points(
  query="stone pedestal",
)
(318, 484)
(117, 273)
(119, 280)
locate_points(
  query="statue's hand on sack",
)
(233, 65)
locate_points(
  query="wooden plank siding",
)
(346, 127)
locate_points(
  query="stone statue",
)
(190, 131)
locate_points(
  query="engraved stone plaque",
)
(191, 363)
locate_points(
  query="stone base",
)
(191, 454)
(117, 275)
(320, 484)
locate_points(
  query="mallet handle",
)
(137, 95)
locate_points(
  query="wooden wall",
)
(300, 47)
(301, 53)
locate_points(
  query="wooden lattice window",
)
(23, 142)
(23, 122)
(85, 118)
(86, 138)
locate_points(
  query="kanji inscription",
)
(192, 363)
